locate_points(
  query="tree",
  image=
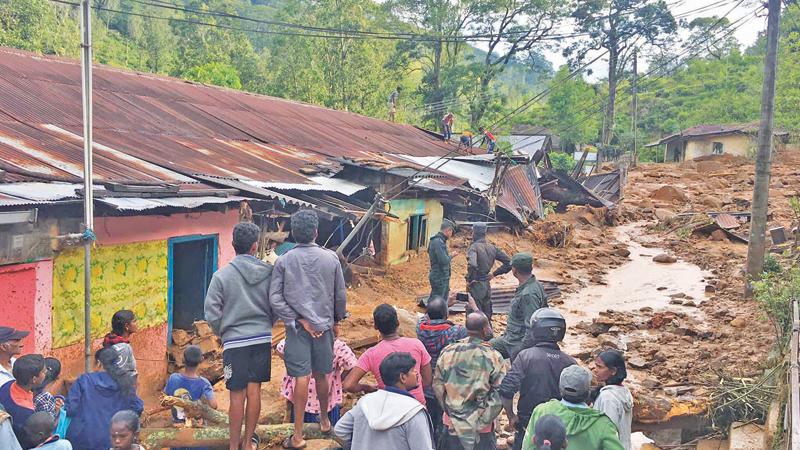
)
(513, 27)
(38, 26)
(702, 37)
(566, 109)
(619, 27)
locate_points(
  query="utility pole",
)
(758, 222)
(88, 205)
(635, 107)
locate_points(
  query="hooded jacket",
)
(481, 256)
(92, 400)
(587, 429)
(237, 303)
(386, 420)
(617, 403)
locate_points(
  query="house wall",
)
(735, 144)
(129, 270)
(26, 291)
(396, 230)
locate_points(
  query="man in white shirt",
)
(10, 346)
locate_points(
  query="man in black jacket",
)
(440, 258)
(480, 260)
(536, 370)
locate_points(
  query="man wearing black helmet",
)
(536, 370)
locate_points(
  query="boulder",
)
(669, 193)
(610, 341)
(710, 201)
(623, 252)
(718, 235)
(664, 215)
(664, 258)
(739, 322)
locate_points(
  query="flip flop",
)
(287, 444)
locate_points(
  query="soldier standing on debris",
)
(535, 371)
(480, 260)
(308, 292)
(467, 385)
(528, 298)
(440, 258)
(237, 308)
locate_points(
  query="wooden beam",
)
(272, 435)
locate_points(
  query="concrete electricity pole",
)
(758, 223)
(635, 107)
(88, 205)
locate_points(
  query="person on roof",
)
(481, 257)
(447, 126)
(466, 138)
(587, 429)
(393, 104)
(489, 139)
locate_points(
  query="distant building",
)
(701, 140)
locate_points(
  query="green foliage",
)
(774, 294)
(565, 105)
(562, 161)
(548, 207)
(215, 73)
(771, 264)
(38, 26)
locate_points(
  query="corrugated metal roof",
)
(319, 184)
(713, 130)
(40, 192)
(479, 176)
(141, 204)
(520, 194)
(151, 128)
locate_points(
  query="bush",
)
(562, 161)
(774, 294)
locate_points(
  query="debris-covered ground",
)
(663, 285)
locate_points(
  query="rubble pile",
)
(202, 336)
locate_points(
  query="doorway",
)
(192, 262)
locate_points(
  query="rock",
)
(650, 383)
(646, 309)
(609, 341)
(637, 362)
(180, 337)
(711, 288)
(676, 301)
(678, 295)
(718, 235)
(710, 201)
(665, 258)
(661, 288)
(669, 193)
(739, 322)
(664, 215)
(690, 304)
(202, 328)
(624, 252)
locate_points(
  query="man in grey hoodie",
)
(391, 418)
(308, 293)
(238, 310)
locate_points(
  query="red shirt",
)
(489, 135)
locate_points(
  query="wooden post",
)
(273, 435)
(758, 224)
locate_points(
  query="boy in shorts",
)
(237, 308)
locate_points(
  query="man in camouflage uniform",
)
(528, 297)
(440, 258)
(467, 385)
(480, 260)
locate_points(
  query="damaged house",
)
(176, 166)
(702, 140)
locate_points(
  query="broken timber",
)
(196, 409)
(220, 436)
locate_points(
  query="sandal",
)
(287, 444)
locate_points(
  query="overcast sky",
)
(746, 34)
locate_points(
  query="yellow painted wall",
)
(125, 276)
(396, 230)
(735, 144)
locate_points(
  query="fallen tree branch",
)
(271, 435)
(196, 409)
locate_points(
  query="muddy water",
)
(639, 283)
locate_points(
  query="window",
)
(717, 148)
(417, 232)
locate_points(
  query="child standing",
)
(189, 385)
(123, 325)
(344, 360)
(125, 431)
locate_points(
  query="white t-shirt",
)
(5, 373)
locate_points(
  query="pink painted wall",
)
(26, 292)
(150, 344)
(120, 230)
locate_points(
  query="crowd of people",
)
(445, 389)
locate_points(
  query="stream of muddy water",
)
(639, 283)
